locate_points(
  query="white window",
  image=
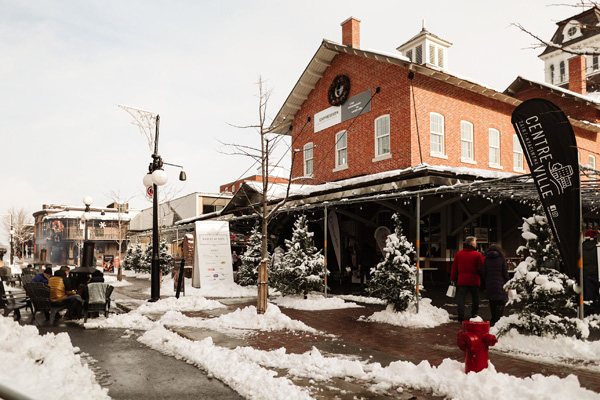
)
(466, 141)
(437, 134)
(494, 148)
(563, 72)
(341, 150)
(382, 136)
(308, 159)
(517, 154)
(592, 161)
(409, 55)
(552, 74)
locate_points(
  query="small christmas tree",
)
(133, 257)
(394, 279)
(248, 271)
(545, 296)
(302, 267)
(165, 259)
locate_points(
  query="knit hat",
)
(590, 233)
(48, 271)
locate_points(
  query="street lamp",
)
(87, 200)
(156, 177)
(87, 253)
(12, 243)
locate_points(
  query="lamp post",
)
(85, 257)
(156, 177)
(12, 243)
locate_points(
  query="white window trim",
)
(591, 161)
(385, 156)
(310, 146)
(338, 166)
(517, 169)
(437, 154)
(494, 165)
(468, 160)
(389, 135)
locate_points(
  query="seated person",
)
(60, 290)
(43, 277)
(97, 277)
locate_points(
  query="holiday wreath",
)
(339, 90)
(57, 226)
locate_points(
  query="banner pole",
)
(580, 263)
(418, 246)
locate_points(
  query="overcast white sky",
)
(67, 64)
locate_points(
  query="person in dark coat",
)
(495, 276)
(590, 273)
(466, 271)
(43, 277)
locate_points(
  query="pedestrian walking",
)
(495, 276)
(465, 273)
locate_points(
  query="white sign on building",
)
(212, 254)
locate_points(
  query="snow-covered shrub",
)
(394, 279)
(302, 267)
(165, 259)
(545, 297)
(133, 257)
(248, 272)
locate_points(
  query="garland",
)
(339, 90)
(57, 226)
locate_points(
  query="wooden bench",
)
(39, 295)
(13, 302)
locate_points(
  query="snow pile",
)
(361, 299)
(187, 303)
(449, 380)
(132, 320)
(44, 367)
(428, 316)
(245, 377)
(313, 302)
(112, 280)
(215, 289)
(551, 350)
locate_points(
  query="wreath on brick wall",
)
(57, 226)
(339, 90)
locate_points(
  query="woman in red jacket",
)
(465, 273)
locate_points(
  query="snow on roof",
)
(591, 99)
(94, 215)
(277, 191)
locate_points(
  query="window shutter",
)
(419, 54)
(432, 54)
(441, 57)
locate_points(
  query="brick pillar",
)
(577, 79)
(351, 32)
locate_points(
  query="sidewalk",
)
(373, 342)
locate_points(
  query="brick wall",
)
(395, 99)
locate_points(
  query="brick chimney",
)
(351, 32)
(577, 80)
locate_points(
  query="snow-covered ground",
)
(254, 373)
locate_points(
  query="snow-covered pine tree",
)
(165, 259)
(248, 272)
(133, 258)
(302, 267)
(394, 279)
(545, 299)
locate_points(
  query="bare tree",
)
(265, 130)
(575, 50)
(21, 222)
(120, 201)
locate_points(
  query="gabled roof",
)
(588, 21)
(519, 83)
(323, 58)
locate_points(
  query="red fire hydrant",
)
(474, 339)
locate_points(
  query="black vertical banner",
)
(549, 145)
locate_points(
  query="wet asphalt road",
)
(130, 370)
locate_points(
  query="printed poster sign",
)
(353, 107)
(549, 145)
(212, 254)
